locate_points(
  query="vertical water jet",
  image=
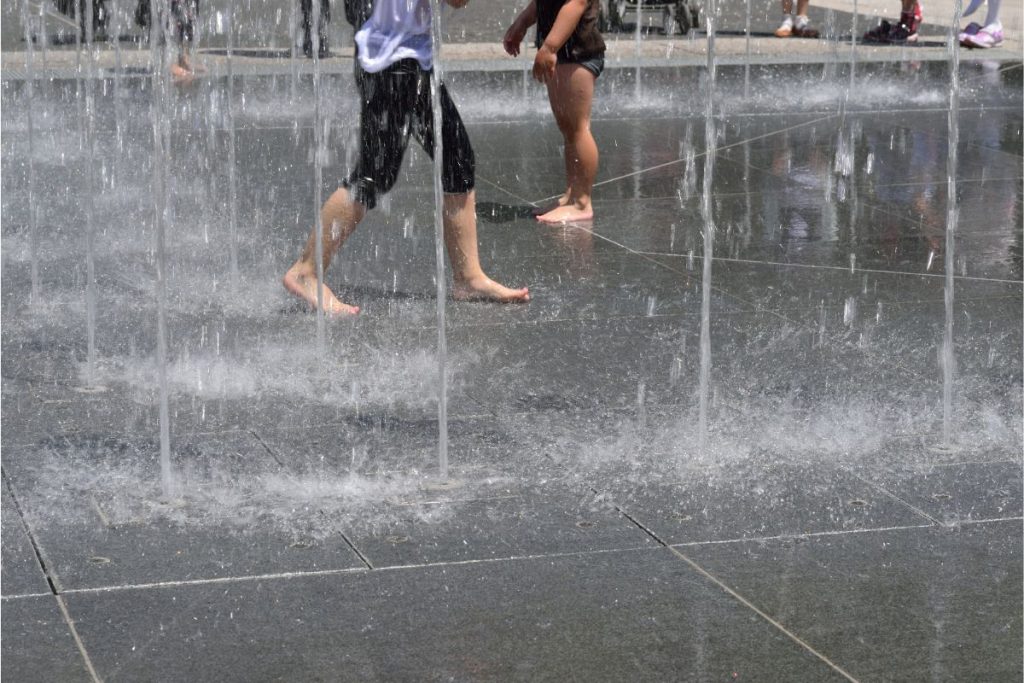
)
(160, 119)
(710, 142)
(952, 217)
(436, 76)
(33, 232)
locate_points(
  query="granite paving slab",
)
(485, 522)
(96, 508)
(312, 533)
(756, 500)
(548, 618)
(21, 571)
(956, 493)
(901, 605)
(37, 644)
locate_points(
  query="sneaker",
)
(785, 29)
(989, 36)
(972, 28)
(879, 34)
(802, 28)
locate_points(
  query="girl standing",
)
(570, 57)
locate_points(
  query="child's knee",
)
(577, 131)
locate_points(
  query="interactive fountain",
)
(789, 392)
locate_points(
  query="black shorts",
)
(594, 65)
(395, 105)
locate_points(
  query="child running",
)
(394, 61)
(570, 57)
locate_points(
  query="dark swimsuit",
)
(585, 46)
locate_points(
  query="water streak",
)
(318, 175)
(710, 142)
(746, 63)
(160, 106)
(33, 233)
(436, 76)
(952, 215)
(90, 196)
(118, 70)
(232, 175)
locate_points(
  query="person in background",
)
(183, 17)
(905, 31)
(798, 26)
(989, 34)
(307, 27)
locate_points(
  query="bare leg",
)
(993, 12)
(571, 93)
(801, 7)
(182, 72)
(460, 238)
(339, 217)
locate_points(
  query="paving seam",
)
(22, 596)
(212, 581)
(269, 450)
(976, 462)
(793, 537)
(348, 542)
(356, 550)
(871, 271)
(811, 327)
(997, 520)
(512, 558)
(732, 115)
(820, 119)
(692, 278)
(78, 639)
(51, 578)
(53, 582)
(339, 572)
(742, 600)
(916, 510)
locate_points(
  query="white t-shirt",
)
(398, 29)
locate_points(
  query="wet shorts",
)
(594, 65)
(395, 105)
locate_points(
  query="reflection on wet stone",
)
(307, 506)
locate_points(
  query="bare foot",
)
(304, 287)
(484, 288)
(182, 76)
(569, 213)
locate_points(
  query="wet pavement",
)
(823, 531)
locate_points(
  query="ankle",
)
(301, 270)
(581, 202)
(469, 277)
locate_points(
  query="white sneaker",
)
(989, 36)
(785, 30)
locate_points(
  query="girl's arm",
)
(517, 31)
(565, 23)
